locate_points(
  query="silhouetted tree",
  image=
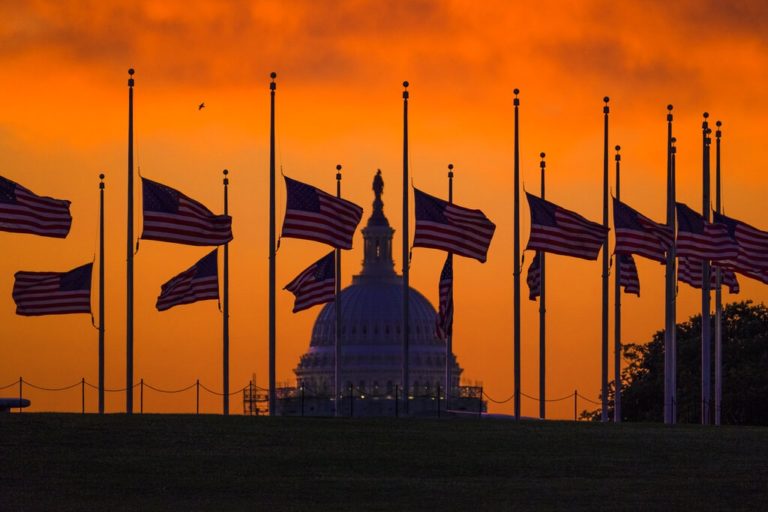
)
(745, 371)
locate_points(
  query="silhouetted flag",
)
(53, 293)
(534, 278)
(699, 239)
(311, 214)
(637, 234)
(628, 278)
(689, 271)
(21, 211)
(444, 323)
(753, 245)
(199, 282)
(170, 216)
(560, 231)
(449, 227)
(315, 285)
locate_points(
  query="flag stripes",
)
(53, 293)
(628, 277)
(534, 277)
(170, 216)
(689, 271)
(699, 239)
(560, 231)
(444, 322)
(22, 211)
(312, 214)
(637, 234)
(752, 242)
(314, 285)
(449, 227)
(199, 282)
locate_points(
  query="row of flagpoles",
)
(311, 214)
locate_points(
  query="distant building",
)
(371, 341)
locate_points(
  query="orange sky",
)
(63, 112)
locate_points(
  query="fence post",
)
(197, 398)
(21, 394)
(82, 389)
(438, 400)
(397, 400)
(141, 397)
(575, 404)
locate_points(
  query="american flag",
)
(448, 227)
(170, 216)
(628, 278)
(560, 231)
(444, 322)
(534, 278)
(699, 239)
(637, 234)
(315, 285)
(311, 214)
(689, 271)
(199, 282)
(21, 211)
(53, 293)
(753, 245)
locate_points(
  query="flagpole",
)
(337, 304)
(673, 302)
(706, 364)
(718, 292)
(272, 255)
(129, 268)
(670, 288)
(617, 312)
(225, 356)
(542, 316)
(449, 335)
(516, 255)
(101, 294)
(406, 259)
(604, 360)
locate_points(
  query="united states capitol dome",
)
(371, 327)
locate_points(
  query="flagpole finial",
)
(405, 92)
(338, 172)
(618, 156)
(669, 113)
(130, 79)
(673, 140)
(450, 170)
(226, 180)
(718, 133)
(542, 164)
(516, 101)
(101, 184)
(272, 84)
(606, 109)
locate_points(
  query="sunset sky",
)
(340, 66)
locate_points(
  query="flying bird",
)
(201, 106)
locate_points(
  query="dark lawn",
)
(184, 462)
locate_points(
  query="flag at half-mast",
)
(53, 293)
(637, 234)
(170, 216)
(702, 240)
(557, 230)
(199, 282)
(449, 227)
(444, 321)
(315, 285)
(22, 211)
(312, 214)
(689, 271)
(628, 278)
(752, 259)
(534, 277)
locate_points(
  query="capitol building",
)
(371, 344)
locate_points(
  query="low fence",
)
(301, 401)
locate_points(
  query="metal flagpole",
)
(272, 249)
(673, 303)
(718, 292)
(669, 288)
(449, 335)
(129, 269)
(225, 357)
(337, 304)
(542, 317)
(604, 360)
(617, 312)
(406, 259)
(706, 364)
(516, 255)
(101, 294)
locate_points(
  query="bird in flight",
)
(201, 106)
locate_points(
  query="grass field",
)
(183, 462)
